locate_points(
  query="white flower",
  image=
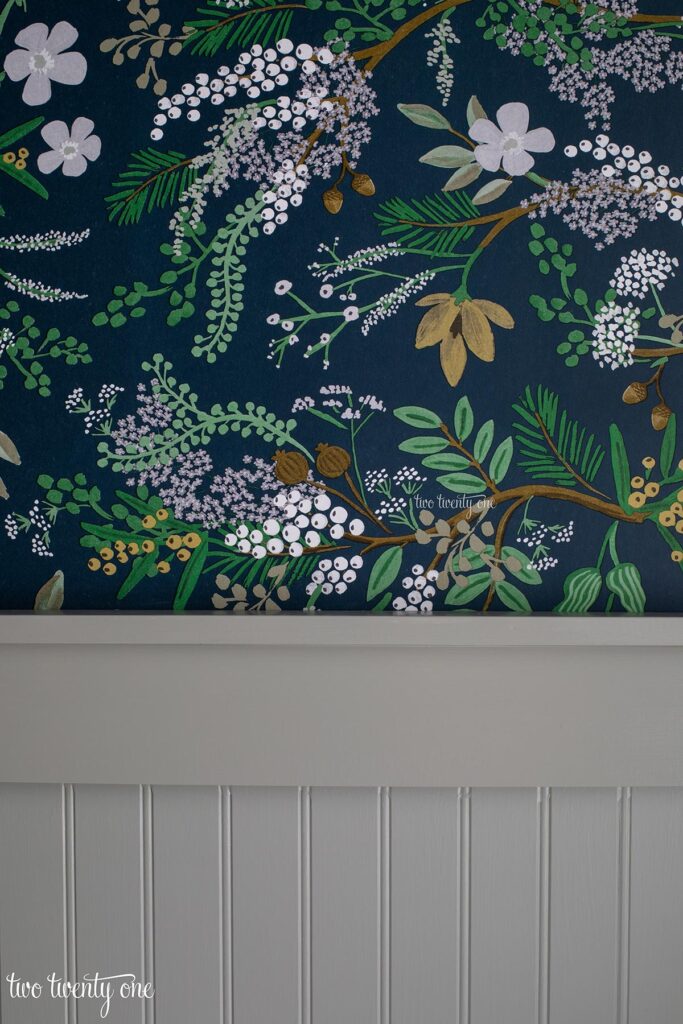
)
(640, 271)
(351, 313)
(42, 60)
(614, 335)
(282, 287)
(326, 291)
(70, 149)
(511, 143)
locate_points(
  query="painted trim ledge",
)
(340, 701)
(339, 630)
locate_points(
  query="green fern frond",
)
(219, 29)
(428, 223)
(551, 445)
(152, 180)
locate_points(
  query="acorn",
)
(635, 393)
(363, 184)
(333, 200)
(290, 467)
(660, 416)
(332, 460)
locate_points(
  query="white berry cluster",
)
(564, 534)
(420, 591)
(6, 339)
(335, 575)
(643, 270)
(258, 72)
(543, 562)
(299, 528)
(614, 334)
(11, 527)
(288, 185)
(642, 174)
(536, 537)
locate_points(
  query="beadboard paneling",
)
(329, 906)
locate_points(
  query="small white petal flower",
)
(510, 142)
(71, 149)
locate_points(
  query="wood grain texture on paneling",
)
(346, 906)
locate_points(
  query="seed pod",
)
(363, 184)
(333, 200)
(660, 416)
(635, 393)
(290, 467)
(332, 460)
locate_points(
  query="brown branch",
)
(159, 174)
(454, 443)
(498, 545)
(656, 19)
(374, 54)
(560, 458)
(665, 352)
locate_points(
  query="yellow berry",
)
(680, 464)
(637, 481)
(680, 495)
(648, 462)
(148, 522)
(192, 540)
(147, 546)
(9, 158)
(677, 556)
(134, 547)
(163, 567)
(119, 545)
(677, 508)
(636, 499)
(107, 554)
(183, 555)
(23, 152)
(652, 489)
(667, 518)
(94, 564)
(162, 514)
(20, 165)
(122, 557)
(109, 569)
(174, 541)
(679, 526)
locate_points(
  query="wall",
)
(347, 906)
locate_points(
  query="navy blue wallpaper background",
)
(341, 306)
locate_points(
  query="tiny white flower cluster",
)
(376, 479)
(359, 259)
(94, 415)
(391, 505)
(420, 592)
(564, 534)
(335, 576)
(441, 37)
(641, 271)
(11, 527)
(536, 537)
(38, 290)
(299, 528)
(258, 71)
(614, 335)
(48, 240)
(389, 304)
(288, 185)
(372, 402)
(6, 339)
(73, 399)
(643, 175)
(543, 562)
(408, 477)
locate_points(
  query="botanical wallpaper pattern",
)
(336, 305)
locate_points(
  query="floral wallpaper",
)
(341, 305)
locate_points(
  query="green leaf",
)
(50, 597)
(581, 591)
(423, 445)
(25, 179)
(384, 571)
(425, 116)
(448, 461)
(483, 441)
(152, 179)
(190, 576)
(138, 571)
(620, 468)
(624, 581)
(500, 461)
(463, 419)
(463, 177)
(668, 449)
(14, 134)
(476, 584)
(491, 191)
(475, 111)
(525, 573)
(418, 416)
(549, 441)
(448, 156)
(427, 223)
(512, 597)
(462, 483)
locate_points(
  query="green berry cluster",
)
(26, 348)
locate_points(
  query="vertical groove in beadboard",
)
(227, 999)
(383, 905)
(69, 897)
(623, 903)
(305, 917)
(464, 874)
(543, 904)
(147, 899)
